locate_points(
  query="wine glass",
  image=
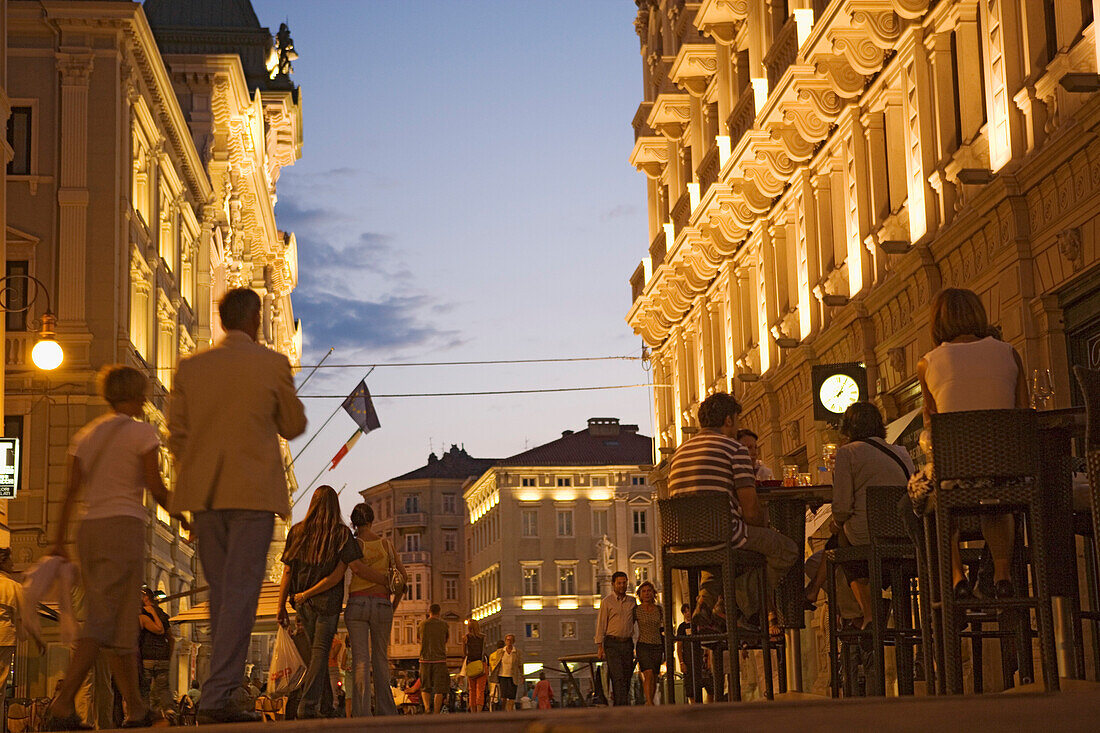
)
(1042, 388)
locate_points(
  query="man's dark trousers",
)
(232, 545)
(620, 666)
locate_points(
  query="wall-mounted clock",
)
(836, 387)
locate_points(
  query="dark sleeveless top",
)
(475, 647)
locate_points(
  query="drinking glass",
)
(828, 455)
(805, 479)
(790, 475)
(1042, 388)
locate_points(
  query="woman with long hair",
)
(473, 649)
(369, 615)
(318, 552)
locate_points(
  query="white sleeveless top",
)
(974, 375)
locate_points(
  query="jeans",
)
(369, 620)
(232, 545)
(620, 667)
(778, 550)
(154, 685)
(320, 629)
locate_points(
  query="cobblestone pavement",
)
(1066, 711)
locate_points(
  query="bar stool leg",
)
(1044, 613)
(951, 641)
(832, 608)
(670, 632)
(765, 635)
(878, 628)
(733, 631)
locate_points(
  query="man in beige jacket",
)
(229, 405)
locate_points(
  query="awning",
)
(900, 426)
(267, 608)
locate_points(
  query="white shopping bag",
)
(287, 667)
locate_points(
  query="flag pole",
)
(303, 493)
(314, 437)
(326, 356)
(326, 422)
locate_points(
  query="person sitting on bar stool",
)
(969, 369)
(865, 460)
(713, 461)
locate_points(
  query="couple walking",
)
(229, 406)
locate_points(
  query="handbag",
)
(475, 669)
(396, 581)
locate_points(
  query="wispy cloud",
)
(617, 212)
(356, 292)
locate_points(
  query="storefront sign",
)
(9, 467)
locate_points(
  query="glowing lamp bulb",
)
(47, 354)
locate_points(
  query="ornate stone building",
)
(548, 527)
(136, 224)
(423, 514)
(818, 170)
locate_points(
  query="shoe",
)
(64, 722)
(1003, 589)
(145, 722)
(228, 715)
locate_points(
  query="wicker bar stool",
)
(695, 533)
(1089, 379)
(892, 553)
(996, 454)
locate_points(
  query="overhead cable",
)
(483, 393)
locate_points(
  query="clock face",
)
(838, 392)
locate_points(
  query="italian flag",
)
(344, 450)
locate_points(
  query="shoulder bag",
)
(396, 581)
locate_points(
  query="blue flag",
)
(358, 404)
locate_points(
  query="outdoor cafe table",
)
(786, 507)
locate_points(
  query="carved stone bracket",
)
(650, 156)
(845, 80)
(882, 27)
(796, 146)
(671, 115)
(857, 47)
(721, 19)
(1069, 245)
(693, 67)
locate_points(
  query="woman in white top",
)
(113, 461)
(971, 369)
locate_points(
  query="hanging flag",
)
(358, 404)
(345, 448)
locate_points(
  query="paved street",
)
(1067, 711)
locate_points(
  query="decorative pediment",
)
(693, 67)
(670, 115)
(720, 19)
(650, 155)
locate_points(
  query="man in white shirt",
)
(749, 439)
(615, 637)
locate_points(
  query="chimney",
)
(566, 433)
(603, 426)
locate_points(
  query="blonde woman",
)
(473, 650)
(113, 460)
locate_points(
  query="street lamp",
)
(47, 353)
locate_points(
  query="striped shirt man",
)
(710, 461)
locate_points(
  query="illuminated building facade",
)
(817, 171)
(423, 514)
(546, 530)
(135, 231)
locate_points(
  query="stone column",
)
(809, 311)
(75, 67)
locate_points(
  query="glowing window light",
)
(532, 604)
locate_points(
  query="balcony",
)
(17, 348)
(708, 170)
(410, 519)
(783, 52)
(743, 115)
(641, 128)
(420, 557)
(681, 213)
(657, 249)
(637, 283)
